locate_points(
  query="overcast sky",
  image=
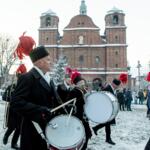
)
(18, 16)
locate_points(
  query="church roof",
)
(49, 12)
(115, 10)
(81, 21)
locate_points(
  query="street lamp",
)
(139, 73)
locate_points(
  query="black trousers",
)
(107, 129)
(15, 136)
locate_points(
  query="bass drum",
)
(65, 133)
(101, 107)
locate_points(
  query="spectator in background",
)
(129, 99)
(121, 99)
(141, 96)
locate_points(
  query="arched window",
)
(116, 52)
(81, 39)
(81, 59)
(47, 39)
(116, 38)
(97, 59)
(115, 19)
(48, 21)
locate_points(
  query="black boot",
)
(5, 139)
(95, 131)
(7, 134)
(110, 141)
(15, 146)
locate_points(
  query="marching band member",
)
(97, 84)
(110, 88)
(12, 120)
(32, 97)
(78, 92)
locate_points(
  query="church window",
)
(116, 52)
(48, 21)
(116, 38)
(116, 65)
(81, 39)
(97, 59)
(81, 59)
(115, 20)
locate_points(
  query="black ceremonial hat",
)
(38, 53)
(116, 82)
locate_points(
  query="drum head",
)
(98, 107)
(63, 134)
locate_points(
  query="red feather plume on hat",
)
(148, 77)
(74, 75)
(25, 46)
(123, 78)
(21, 69)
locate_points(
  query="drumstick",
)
(70, 112)
(60, 106)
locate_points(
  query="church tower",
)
(83, 8)
(116, 47)
(48, 31)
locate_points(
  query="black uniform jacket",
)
(31, 99)
(79, 112)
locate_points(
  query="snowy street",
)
(131, 132)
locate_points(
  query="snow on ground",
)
(131, 132)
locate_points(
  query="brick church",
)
(81, 44)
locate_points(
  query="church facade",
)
(81, 44)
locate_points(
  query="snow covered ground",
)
(131, 132)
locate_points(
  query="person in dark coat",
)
(78, 92)
(121, 99)
(13, 120)
(141, 96)
(128, 96)
(110, 88)
(33, 98)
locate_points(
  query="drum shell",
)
(65, 136)
(101, 107)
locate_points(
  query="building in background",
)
(83, 47)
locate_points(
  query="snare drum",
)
(101, 107)
(64, 133)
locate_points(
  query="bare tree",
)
(7, 59)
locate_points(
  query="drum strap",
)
(39, 130)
